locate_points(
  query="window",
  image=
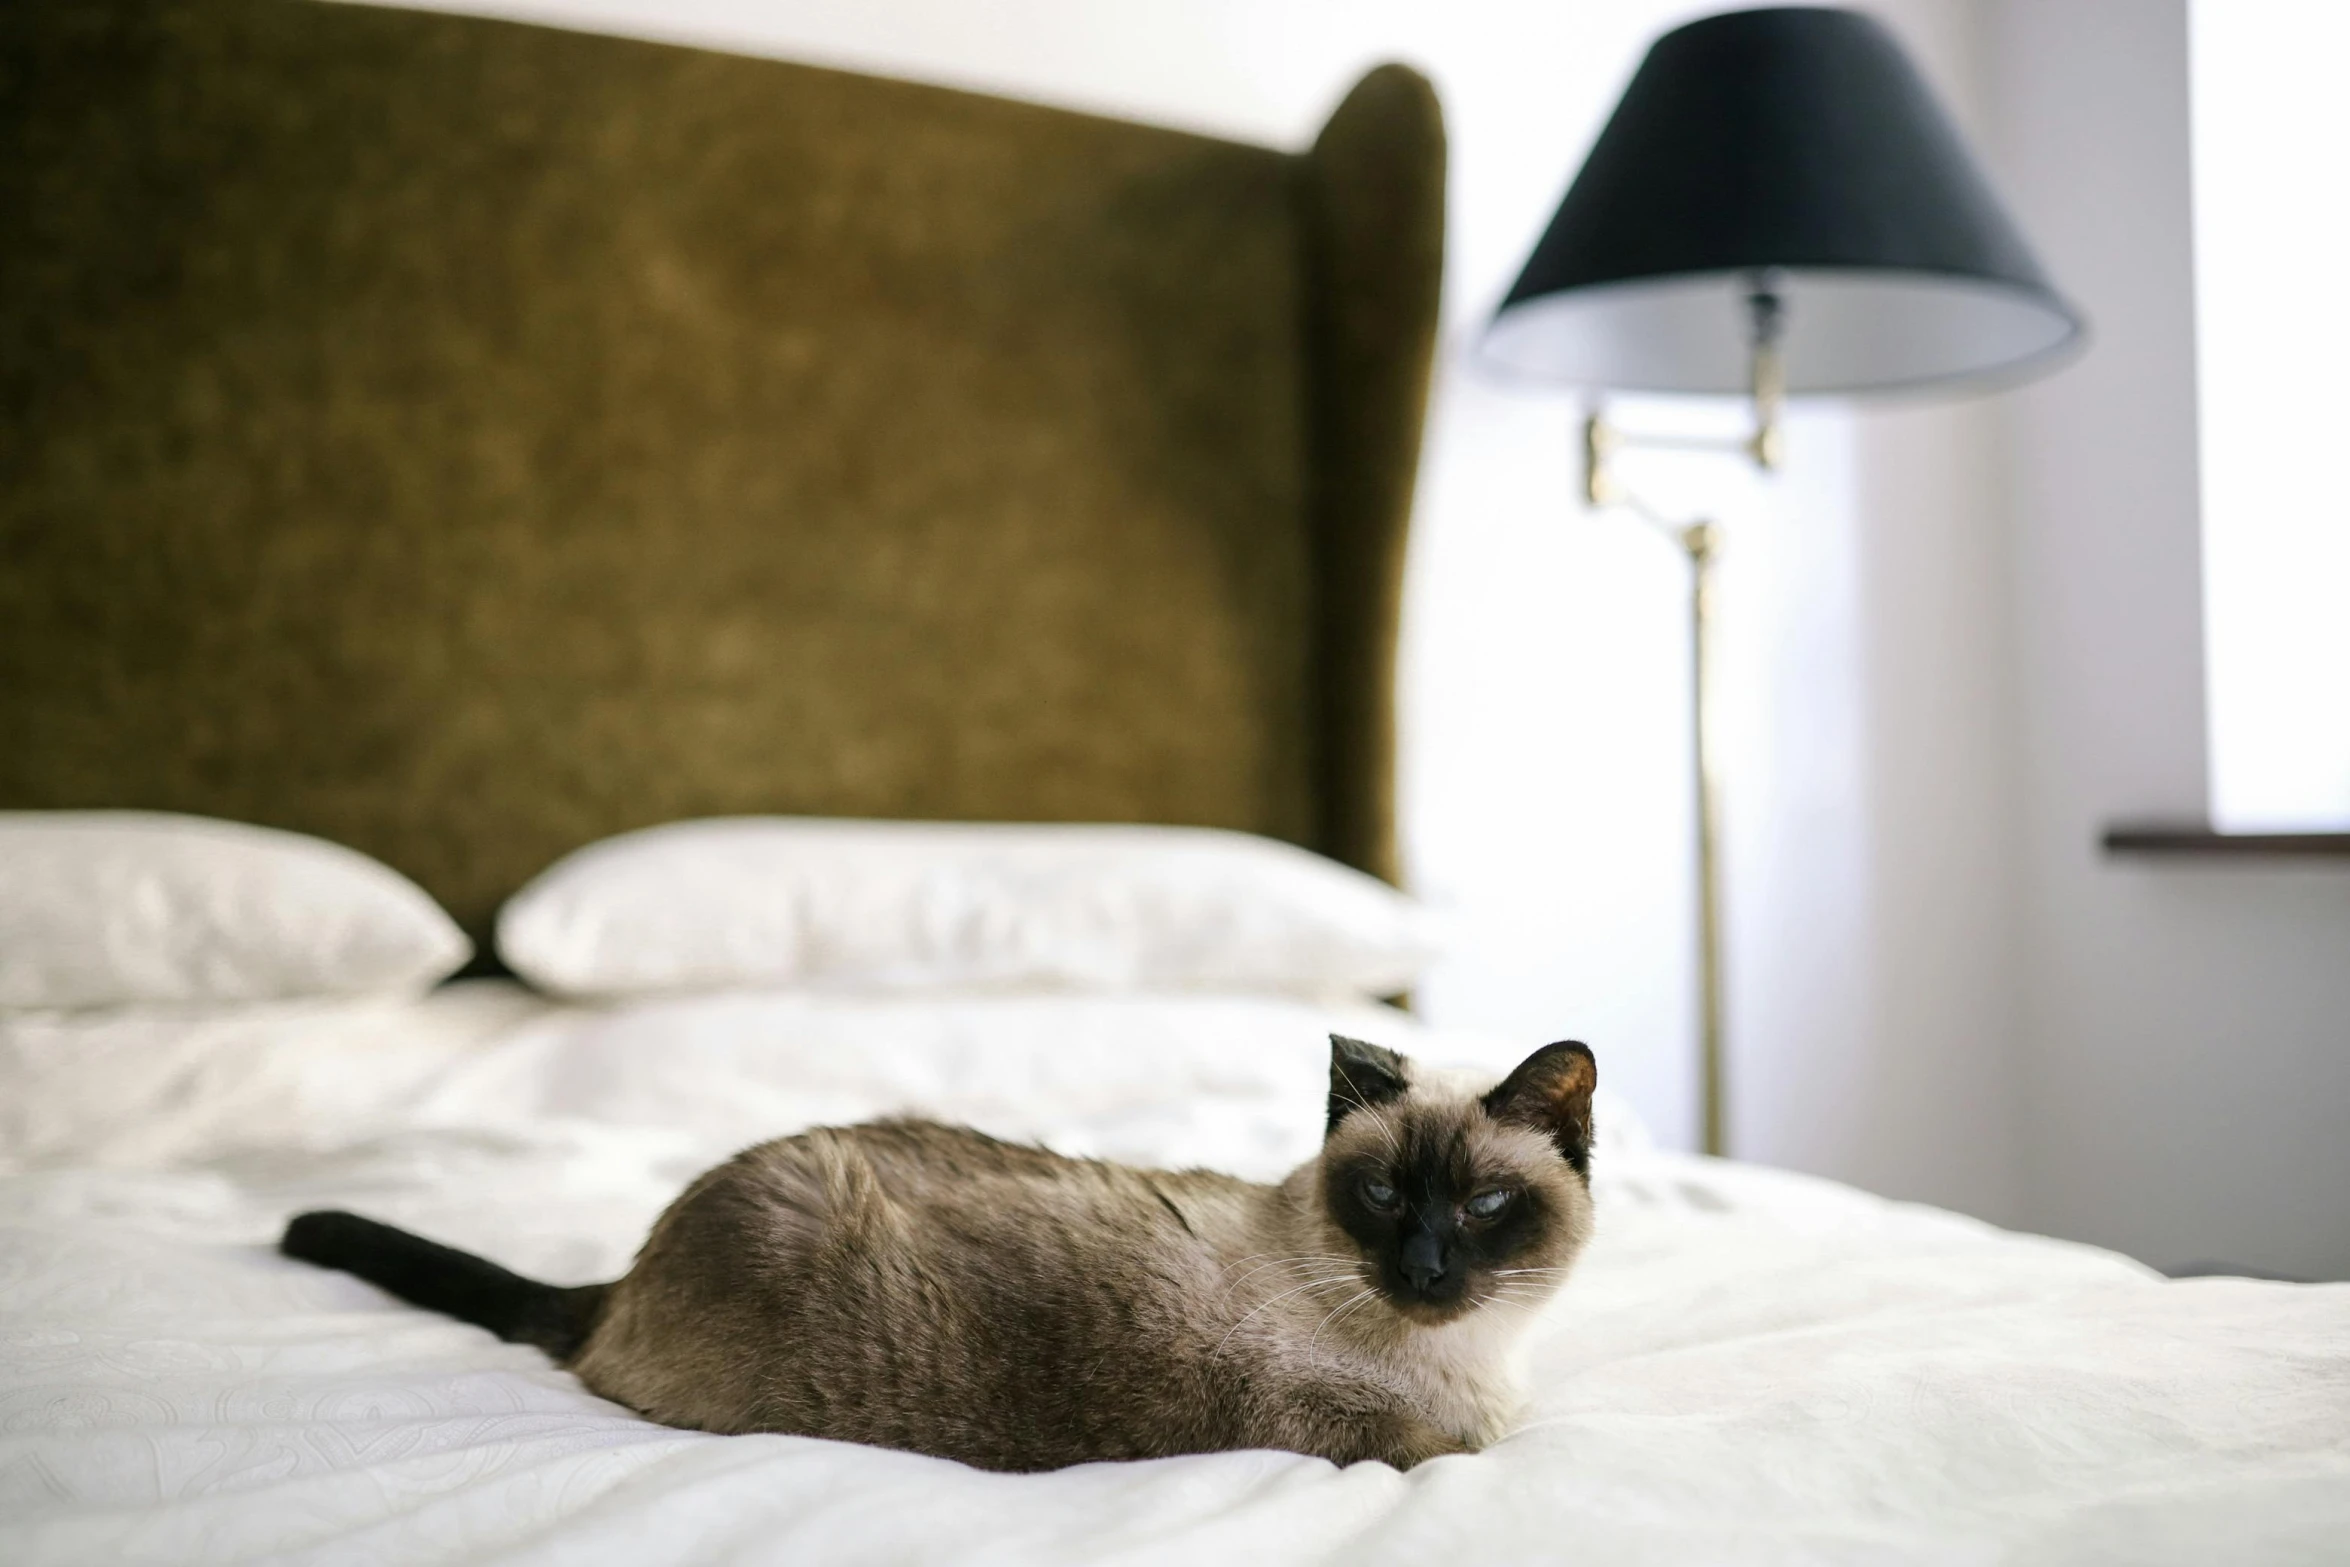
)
(2271, 134)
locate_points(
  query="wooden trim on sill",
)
(2177, 839)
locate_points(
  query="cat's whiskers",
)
(1272, 1300)
(1256, 1256)
(1333, 1314)
(1351, 1303)
(1310, 1259)
(1268, 1259)
(1517, 1297)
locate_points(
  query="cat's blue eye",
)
(1378, 1193)
(1486, 1204)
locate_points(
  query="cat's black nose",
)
(1422, 1261)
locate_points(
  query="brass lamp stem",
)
(1698, 540)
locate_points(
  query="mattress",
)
(1748, 1365)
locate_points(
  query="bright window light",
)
(2272, 233)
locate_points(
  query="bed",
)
(1748, 1366)
(467, 442)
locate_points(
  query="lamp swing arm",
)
(1766, 390)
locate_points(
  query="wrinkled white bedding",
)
(1748, 1367)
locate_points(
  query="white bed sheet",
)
(1748, 1366)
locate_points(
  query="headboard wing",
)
(467, 440)
(1374, 218)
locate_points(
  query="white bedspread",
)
(1748, 1367)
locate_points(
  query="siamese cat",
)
(920, 1286)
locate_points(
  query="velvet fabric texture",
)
(465, 441)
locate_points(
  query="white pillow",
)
(906, 906)
(114, 908)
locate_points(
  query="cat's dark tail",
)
(441, 1278)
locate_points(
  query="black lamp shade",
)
(1797, 145)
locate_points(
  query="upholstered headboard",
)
(467, 440)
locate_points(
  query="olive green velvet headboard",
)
(466, 440)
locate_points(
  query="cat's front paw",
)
(1497, 1418)
(1415, 1441)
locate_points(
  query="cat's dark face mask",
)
(1455, 1201)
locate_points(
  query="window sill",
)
(2177, 840)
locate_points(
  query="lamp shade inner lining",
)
(1846, 331)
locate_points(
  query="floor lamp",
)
(1777, 208)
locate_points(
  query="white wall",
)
(2187, 1029)
(1885, 932)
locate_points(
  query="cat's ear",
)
(1361, 1076)
(1551, 1092)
